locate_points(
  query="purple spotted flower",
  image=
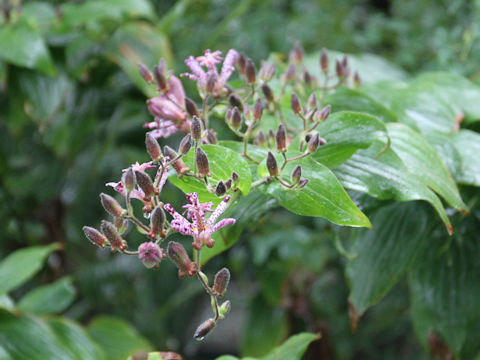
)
(200, 229)
(150, 254)
(209, 61)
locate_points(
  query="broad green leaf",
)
(22, 45)
(323, 195)
(443, 144)
(76, 339)
(27, 337)
(444, 290)
(345, 133)
(40, 13)
(467, 143)
(21, 265)
(246, 211)
(292, 349)
(49, 299)
(421, 159)
(75, 14)
(386, 177)
(6, 303)
(355, 100)
(136, 43)
(264, 329)
(222, 162)
(383, 255)
(117, 338)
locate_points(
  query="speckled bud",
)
(176, 252)
(272, 164)
(145, 183)
(202, 163)
(191, 107)
(220, 189)
(153, 148)
(234, 100)
(281, 138)
(145, 73)
(159, 74)
(157, 220)
(267, 91)
(250, 71)
(114, 238)
(258, 110)
(236, 118)
(296, 174)
(242, 63)
(325, 112)
(111, 205)
(196, 128)
(211, 136)
(150, 254)
(220, 283)
(95, 236)
(204, 329)
(185, 144)
(324, 60)
(129, 180)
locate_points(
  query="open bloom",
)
(168, 110)
(200, 229)
(209, 61)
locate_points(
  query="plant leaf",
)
(467, 143)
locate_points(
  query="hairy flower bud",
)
(302, 183)
(196, 128)
(185, 144)
(202, 163)
(272, 164)
(267, 91)
(220, 189)
(157, 220)
(176, 252)
(236, 118)
(271, 138)
(296, 174)
(247, 112)
(258, 110)
(178, 165)
(312, 102)
(290, 72)
(220, 284)
(339, 68)
(356, 79)
(235, 178)
(204, 329)
(281, 138)
(261, 139)
(145, 183)
(250, 71)
(235, 101)
(153, 148)
(295, 104)
(128, 180)
(159, 74)
(145, 73)
(114, 238)
(150, 254)
(324, 60)
(325, 112)
(315, 142)
(211, 136)
(111, 205)
(191, 107)
(242, 63)
(307, 77)
(211, 81)
(228, 115)
(95, 236)
(267, 71)
(228, 184)
(297, 52)
(224, 309)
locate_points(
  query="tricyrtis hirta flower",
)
(168, 109)
(210, 60)
(200, 229)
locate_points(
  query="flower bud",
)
(312, 102)
(324, 60)
(228, 115)
(281, 139)
(111, 205)
(296, 174)
(159, 74)
(267, 91)
(145, 183)
(234, 100)
(302, 183)
(295, 104)
(196, 128)
(176, 252)
(211, 136)
(235, 178)
(258, 110)
(356, 79)
(157, 220)
(297, 52)
(271, 138)
(211, 81)
(224, 309)
(191, 107)
(307, 78)
(220, 284)
(185, 144)
(204, 329)
(315, 142)
(145, 73)
(202, 163)
(236, 118)
(272, 164)
(290, 72)
(325, 112)
(228, 184)
(339, 68)
(95, 236)
(250, 71)
(242, 63)
(261, 139)
(267, 71)
(220, 189)
(153, 148)
(150, 254)
(178, 165)
(114, 238)
(247, 112)
(121, 224)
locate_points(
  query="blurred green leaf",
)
(42, 14)
(49, 299)
(345, 133)
(382, 256)
(323, 195)
(6, 303)
(222, 162)
(22, 45)
(118, 339)
(21, 265)
(467, 143)
(422, 160)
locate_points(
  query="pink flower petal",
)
(218, 211)
(220, 224)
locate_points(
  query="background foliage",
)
(72, 106)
